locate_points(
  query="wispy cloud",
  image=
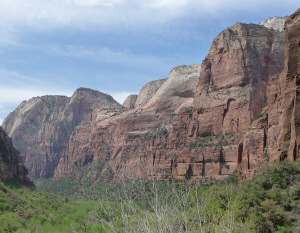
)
(89, 3)
(13, 79)
(118, 12)
(104, 55)
(116, 15)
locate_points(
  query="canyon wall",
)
(11, 166)
(194, 130)
(290, 124)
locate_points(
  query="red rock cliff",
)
(290, 123)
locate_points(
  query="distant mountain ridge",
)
(41, 127)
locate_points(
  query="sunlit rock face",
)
(275, 23)
(289, 139)
(148, 91)
(236, 84)
(275, 134)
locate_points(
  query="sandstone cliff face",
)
(11, 166)
(290, 123)
(127, 141)
(234, 75)
(274, 136)
(235, 85)
(40, 127)
(148, 91)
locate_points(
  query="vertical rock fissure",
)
(265, 139)
(189, 172)
(221, 161)
(248, 161)
(240, 153)
(295, 151)
(203, 167)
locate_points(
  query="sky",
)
(53, 47)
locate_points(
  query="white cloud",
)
(112, 15)
(116, 12)
(95, 2)
(1, 120)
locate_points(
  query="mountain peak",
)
(275, 23)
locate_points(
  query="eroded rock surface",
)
(148, 91)
(129, 141)
(290, 123)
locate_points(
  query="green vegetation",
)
(217, 141)
(286, 144)
(270, 202)
(265, 155)
(259, 115)
(26, 210)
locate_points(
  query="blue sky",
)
(114, 46)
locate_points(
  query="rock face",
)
(11, 166)
(148, 91)
(231, 94)
(290, 123)
(129, 102)
(234, 75)
(274, 135)
(40, 127)
(275, 23)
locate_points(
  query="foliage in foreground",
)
(270, 202)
